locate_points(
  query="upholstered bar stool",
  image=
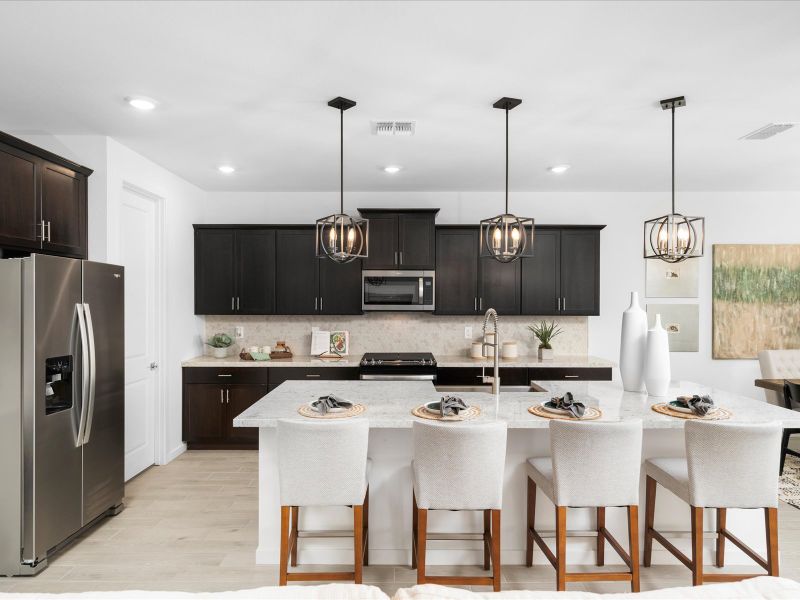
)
(458, 467)
(323, 463)
(727, 465)
(594, 465)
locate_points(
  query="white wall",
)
(731, 217)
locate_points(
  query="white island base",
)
(388, 408)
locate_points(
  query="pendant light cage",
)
(506, 237)
(674, 237)
(340, 237)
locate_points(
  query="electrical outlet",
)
(467, 333)
(239, 332)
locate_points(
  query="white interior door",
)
(138, 243)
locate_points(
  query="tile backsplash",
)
(397, 332)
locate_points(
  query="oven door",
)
(397, 290)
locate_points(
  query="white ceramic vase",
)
(219, 352)
(656, 362)
(633, 345)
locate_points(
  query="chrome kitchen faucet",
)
(495, 379)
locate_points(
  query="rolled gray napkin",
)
(451, 405)
(325, 403)
(567, 402)
(700, 405)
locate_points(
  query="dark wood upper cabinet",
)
(400, 239)
(214, 272)
(43, 201)
(296, 276)
(457, 271)
(64, 211)
(499, 286)
(417, 240)
(19, 206)
(580, 272)
(541, 275)
(255, 271)
(339, 287)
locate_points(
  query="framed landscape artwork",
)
(756, 299)
(681, 322)
(671, 280)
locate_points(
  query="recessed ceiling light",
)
(227, 169)
(558, 168)
(141, 103)
(391, 169)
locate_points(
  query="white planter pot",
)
(219, 352)
(545, 354)
(633, 345)
(656, 362)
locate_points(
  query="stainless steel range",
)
(398, 366)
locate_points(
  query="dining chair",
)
(791, 400)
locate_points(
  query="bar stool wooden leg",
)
(366, 528)
(284, 551)
(771, 522)
(531, 521)
(720, 554)
(487, 536)
(633, 545)
(414, 541)
(293, 537)
(561, 548)
(496, 574)
(697, 545)
(358, 540)
(601, 542)
(649, 519)
(422, 534)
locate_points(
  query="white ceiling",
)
(247, 84)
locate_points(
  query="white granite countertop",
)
(566, 361)
(389, 404)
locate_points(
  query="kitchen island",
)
(388, 408)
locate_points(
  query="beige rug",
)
(789, 486)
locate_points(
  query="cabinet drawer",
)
(224, 375)
(570, 373)
(278, 375)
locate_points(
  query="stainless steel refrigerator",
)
(62, 403)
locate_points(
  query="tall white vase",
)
(656, 362)
(633, 345)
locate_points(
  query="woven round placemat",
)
(353, 411)
(590, 415)
(717, 415)
(472, 412)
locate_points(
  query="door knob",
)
(153, 366)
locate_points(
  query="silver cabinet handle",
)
(475, 304)
(237, 302)
(395, 257)
(315, 303)
(320, 304)
(221, 396)
(480, 304)
(570, 376)
(401, 257)
(232, 299)
(41, 234)
(559, 303)
(564, 303)
(224, 375)
(48, 232)
(312, 374)
(227, 396)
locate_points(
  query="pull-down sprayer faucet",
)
(495, 379)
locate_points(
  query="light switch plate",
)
(239, 332)
(467, 333)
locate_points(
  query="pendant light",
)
(340, 237)
(507, 237)
(674, 237)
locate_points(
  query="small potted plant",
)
(545, 332)
(219, 342)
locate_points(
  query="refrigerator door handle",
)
(92, 372)
(85, 368)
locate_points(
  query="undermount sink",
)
(487, 389)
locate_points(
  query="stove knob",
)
(380, 361)
(372, 362)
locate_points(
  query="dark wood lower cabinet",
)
(204, 414)
(239, 398)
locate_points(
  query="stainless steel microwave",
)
(397, 290)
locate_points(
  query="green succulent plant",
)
(545, 332)
(220, 340)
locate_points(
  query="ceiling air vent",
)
(767, 131)
(393, 127)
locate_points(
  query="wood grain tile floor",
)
(192, 524)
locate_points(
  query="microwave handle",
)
(421, 291)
